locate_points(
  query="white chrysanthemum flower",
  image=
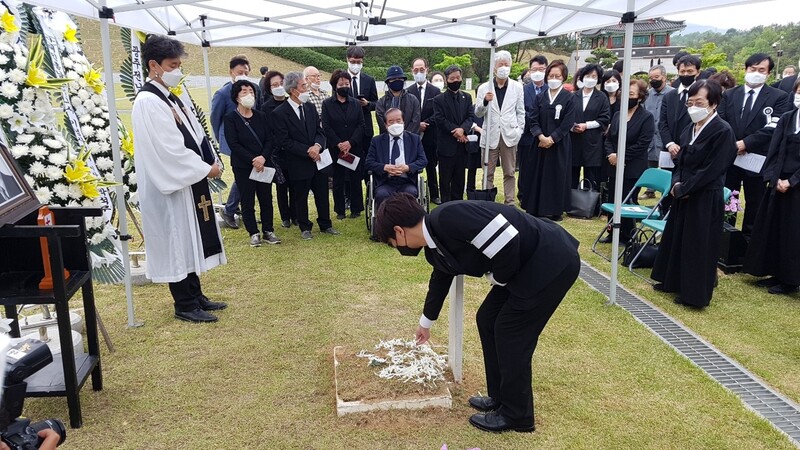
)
(84, 118)
(72, 75)
(101, 135)
(105, 146)
(68, 63)
(87, 131)
(25, 138)
(36, 169)
(17, 123)
(109, 176)
(52, 143)
(57, 159)
(3, 60)
(98, 122)
(104, 115)
(84, 95)
(94, 147)
(17, 76)
(6, 111)
(55, 173)
(61, 191)
(44, 195)
(75, 57)
(39, 152)
(73, 204)
(132, 178)
(75, 101)
(20, 60)
(25, 107)
(98, 99)
(83, 82)
(29, 179)
(18, 151)
(28, 94)
(96, 111)
(103, 163)
(81, 111)
(3, 75)
(9, 90)
(75, 191)
(5, 47)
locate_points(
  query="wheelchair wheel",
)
(369, 208)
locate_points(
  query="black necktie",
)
(355, 87)
(302, 116)
(748, 105)
(395, 150)
(684, 95)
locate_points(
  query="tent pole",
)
(627, 19)
(114, 131)
(485, 150)
(207, 71)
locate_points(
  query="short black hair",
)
(541, 59)
(678, 57)
(707, 73)
(690, 60)
(619, 65)
(713, 90)
(757, 59)
(158, 48)
(354, 51)
(400, 210)
(263, 70)
(236, 88)
(450, 69)
(239, 60)
(337, 75)
(589, 68)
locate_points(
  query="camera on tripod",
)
(23, 360)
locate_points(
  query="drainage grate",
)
(781, 412)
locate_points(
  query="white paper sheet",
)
(750, 161)
(324, 160)
(665, 160)
(265, 176)
(352, 166)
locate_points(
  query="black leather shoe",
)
(437, 201)
(196, 316)
(496, 423)
(208, 305)
(768, 282)
(783, 289)
(355, 215)
(340, 216)
(606, 240)
(484, 404)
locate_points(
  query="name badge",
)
(558, 112)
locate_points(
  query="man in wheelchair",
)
(395, 159)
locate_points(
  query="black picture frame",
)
(17, 198)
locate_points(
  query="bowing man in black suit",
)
(395, 158)
(591, 120)
(425, 93)
(300, 139)
(344, 131)
(753, 110)
(531, 264)
(363, 87)
(453, 114)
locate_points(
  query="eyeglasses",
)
(701, 105)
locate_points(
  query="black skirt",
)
(775, 247)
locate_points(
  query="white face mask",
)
(419, 77)
(589, 82)
(612, 87)
(797, 100)
(279, 91)
(395, 129)
(554, 84)
(171, 78)
(303, 97)
(580, 84)
(315, 86)
(537, 76)
(755, 78)
(240, 78)
(439, 84)
(697, 113)
(503, 72)
(354, 68)
(247, 101)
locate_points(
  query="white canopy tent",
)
(409, 23)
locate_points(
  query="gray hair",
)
(660, 68)
(502, 55)
(292, 80)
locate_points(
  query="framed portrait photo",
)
(17, 199)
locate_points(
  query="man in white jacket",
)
(503, 106)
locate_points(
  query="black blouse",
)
(247, 138)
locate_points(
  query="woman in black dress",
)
(343, 123)
(775, 248)
(274, 95)
(250, 144)
(545, 191)
(641, 127)
(591, 120)
(687, 257)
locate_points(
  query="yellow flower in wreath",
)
(71, 35)
(89, 189)
(127, 144)
(76, 171)
(94, 79)
(8, 23)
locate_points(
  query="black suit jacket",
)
(378, 156)
(342, 125)
(426, 113)
(293, 138)
(673, 120)
(786, 84)
(244, 146)
(756, 129)
(641, 129)
(587, 147)
(450, 115)
(369, 90)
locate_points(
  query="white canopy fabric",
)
(411, 23)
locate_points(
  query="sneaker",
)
(286, 224)
(255, 240)
(332, 231)
(270, 238)
(306, 235)
(229, 220)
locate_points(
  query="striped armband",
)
(494, 236)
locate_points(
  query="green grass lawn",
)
(262, 377)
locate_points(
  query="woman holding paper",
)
(687, 256)
(250, 143)
(343, 123)
(774, 248)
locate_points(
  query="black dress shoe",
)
(556, 218)
(340, 216)
(783, 289)
(437, 201)
(355, 215)
(484, 404)
(768, 282)
(606, 240)
(196, 316)
(496, 423)
(208, 305)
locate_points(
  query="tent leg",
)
(207, 70)
(120, 193)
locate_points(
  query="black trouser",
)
(249, 189)
(509, 335)
(754, 188)
(318, 184)
(344, 177)
(430, 171)
(626, 225)
(452, 175)
(285, 201)
(186, 293)
(589, 173)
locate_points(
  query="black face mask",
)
(632, 102)
(687, 80)
(454, 86)
(343, 91)
(396, 85)
(656, 84)
(405, 250)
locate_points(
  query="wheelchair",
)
(423, 198)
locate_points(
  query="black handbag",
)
(584, 202)
(278, 178)
(648, 256)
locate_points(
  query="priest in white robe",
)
(173, 162)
